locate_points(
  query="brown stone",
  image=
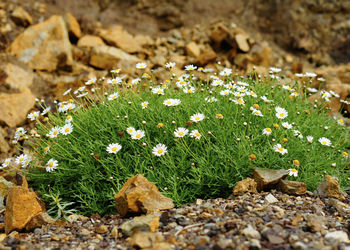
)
(148, 222)
(315, 223)
(342, 208)
(90, 41)
(247, 185)
(4, 146)
(192, 49)
(120, 38)
(21, 17)
(329, 187)
(44, 46)
(4, 190)
(15, 78)
(292, 187)
(219, 33)
(268, 178)
(208, 55)
(144, 40)
(37, 221)
(101, 229)
(242, 42)
(148, 240)
(21, 207)
(261, 54)
(72, 26)
(140, 195)
(75, 217)
(107, 57)
(14, 107)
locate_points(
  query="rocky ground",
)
(44, 50)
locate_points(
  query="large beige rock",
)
(107, 57)
(120, 38)
(148, 223)
(268, 178)
(90, 41)
(21, 17)
(242, 42)
(44, 46)
(72, 25)
(192, 49)
(15, 78)
(14, 107)
(149, 240)
(292, 187)
(38, 220)
(208, 55)
(140, 195)
(21, 207)
(247, 185)
(330, 187)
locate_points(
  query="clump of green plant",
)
(194, 138)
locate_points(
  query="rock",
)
(115, 232)
(247, 185)
(219, 33)
(4, 190)
(268, 178)
(44, 46)
(21, 207)
(341, 207)
(275, 239)
(242, 42)
(120, 38)
(149, 240)
(270, 199)
(336, 237)
(315, 223)
(72, 26)
(37, 221)
(75, 217)
(2, 237)
(251, 233)
(254, 244)
(14, 78)
(90, 41)
(107, 57)
(140, 195)
(101, 229)
(21, 17)
(144, 40)
(179, 60)
(329, 187)
(192, 49)
(208, 55)
(14, 107)
(147, 223)
(292, 187)
(261, 54)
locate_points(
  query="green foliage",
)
(192, 168)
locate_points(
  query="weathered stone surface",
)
(14, 107)
(247, 185)
(120, 38)
(144, 40)
(148, 222)
(219, 33)
(21, 17)
(261, 54)
(21, 207)
(192, 49)
(40, 219)
(107, 57)
(268, 178)
(208, 55)
(15, 78)
(251, 233)
(90, 41)
(4, 190)
(4, 145)
(242, 42)
(342, 208)
(330, 187)
(315, 223)
(336, 237)
(44, 46)
(72, 25)
(149, 240)
(140, 195)
(292, 187)
(75, 217)
(270, 199)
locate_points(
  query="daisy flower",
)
(136, 81)
(82, 94)
(26, 161)
(190, 67)
(239, 101)
(137, 135)
(114, 81)
(158, 90)
(67, 91)
(226, 72)
(115, 71)
(113, 96)
(170, 65)
(180, 132)
(217, 82)
(46, 149)
(54, 132)
(113, 148)
(252, 93)
(299, 74)
(278, 148)
(19, 132)
(242, 83)
(195, 134)
(144, 105)
(51, 165)
(69, 118)
(176, 102)
(309, 139)
(130, 130)
(70, 106)
(266, 131)
(225, 92)
(229, 86)
(293, 172)
(264, 98)
(340, 122)
(67, 129)
(312, 90)
(32, 116)
(20, 160)
(189, 90)
(325, 141)
(6, 163)
(181, 83)
(159, 150)
(219, 116)
(141, 65)
(275, 70)
(168, 102)
(286, 125)
(282, 114)
(241, 89)
(197, 117)
(321, 79)
(211, 99)
(310, 74)
(238, 94)
(46, 110)
(91, 81)
(298, 134)
(257, 112)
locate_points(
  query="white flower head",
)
(275, 70)
(195, 134)
(287, 125)
(51, 165)
(211, 99)
(197, 117)
(310, 74)
(293, 172)
(180, 132)
(190, 67)
(168, 102)
(130, 130)
(137, 135)
(144, 105)
(278, 148)
(325, 141)
(113, 96)
(226, 72)
(217, 82)
(170, 65)
(267, 131)
(67, 91)
(282, 114)
(159, 150)
(141, 65)
(114, 81)
(67, 129)
(189, 89)
(69, 119)
(33, 116)
(54, 132)
(264, 98)
(158, 91)
(6, 163)
(46, 110)
(309, 139)
(91, 81)
(239, 101)
(341, 122)
(113, 148)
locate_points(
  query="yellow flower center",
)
(341, 121)
(197, 134)
(256, 106)
(280, 149)
(69, 117)
(281, 114)
(160, 151)
(189, 91)
(181, 133)
(114, 149)
(324, 142)
(50, 164)
(197, 118)
(138, 135)
(159, 91)
(55, 132)
(66, 130)
(293, 170)
(268, 130)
